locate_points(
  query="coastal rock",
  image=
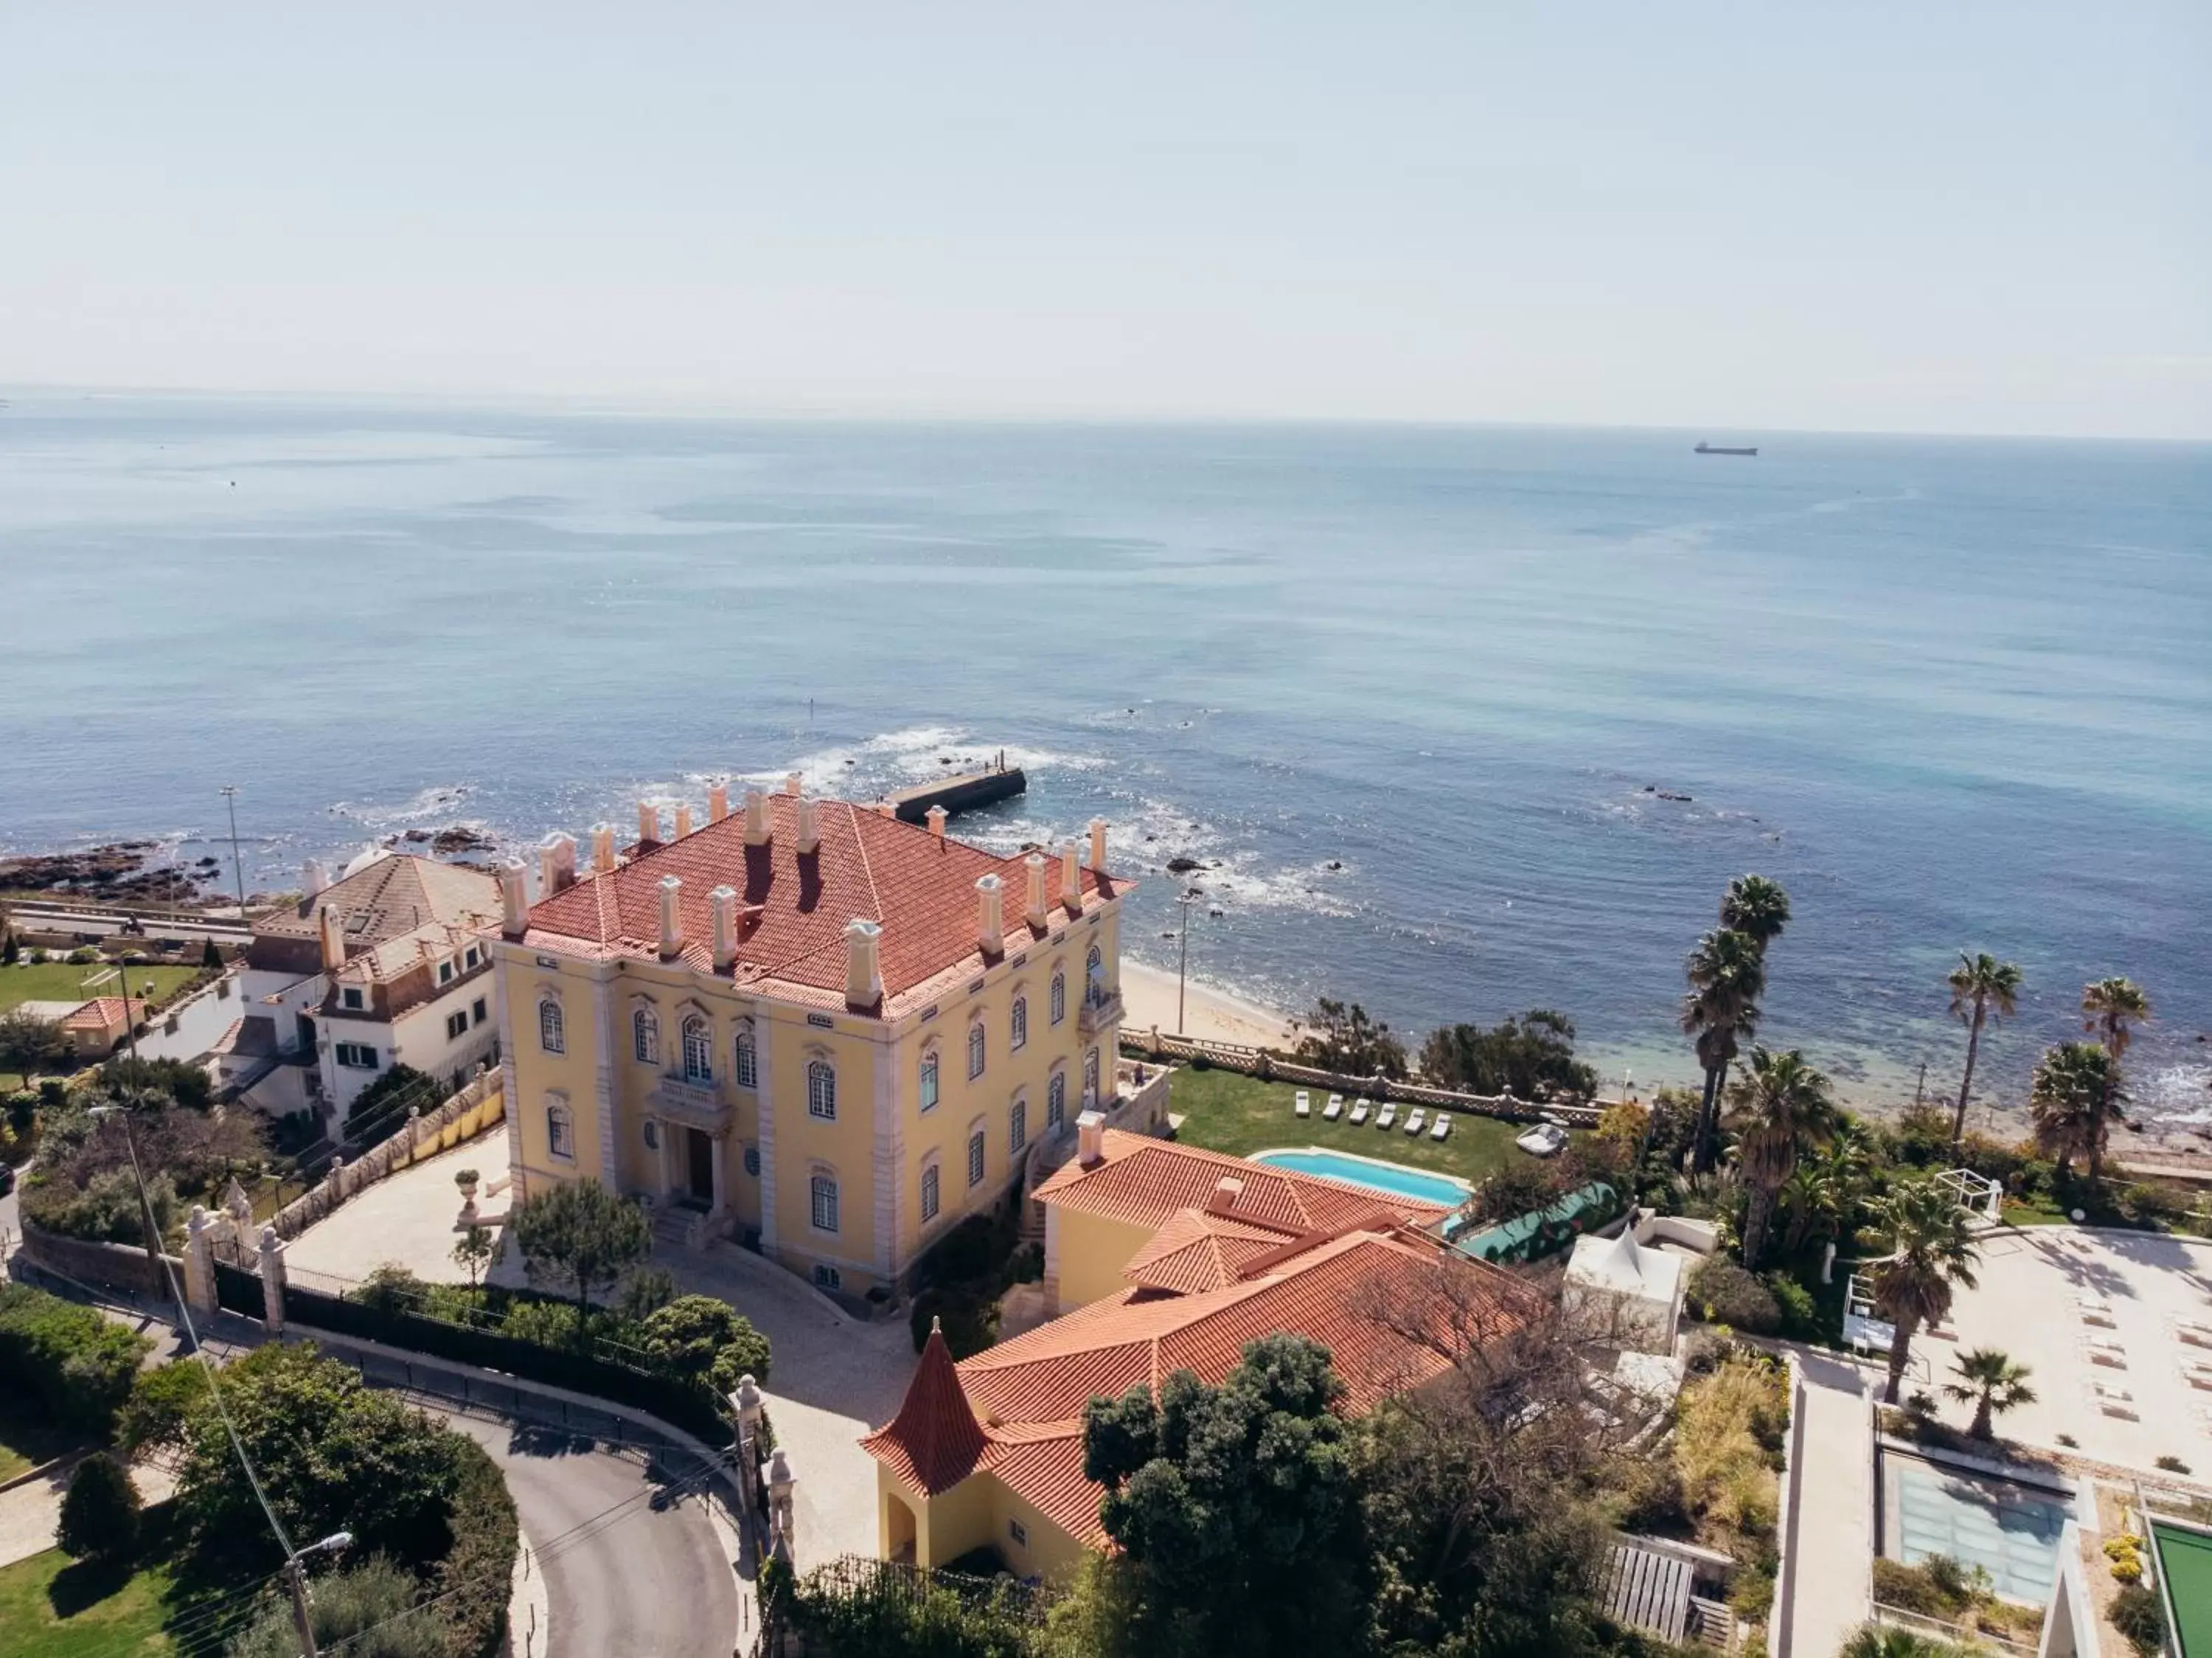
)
(461, 838)
(1180, 866)
(117, 871)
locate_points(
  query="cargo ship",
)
(1715, 448)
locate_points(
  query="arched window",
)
(929, 1081)
(1017, 1025)
(1017, 1127)
(1094, 977)
(560, 1129)
(975, 1050)
(824, 1190)
(645, 1037)
(698, 1051)
(552, 1031)
(929, 1193)
(748, 1062)
(821, 1090)
(975, 1158)
(1090, 1078)
(1059, 998)
(1055, 1101)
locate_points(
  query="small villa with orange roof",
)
(1171, 1259)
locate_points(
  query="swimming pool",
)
(2009, 1530)
(1395, 1178)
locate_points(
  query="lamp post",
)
(1182, 967)
(297, 1584)
(229, 792)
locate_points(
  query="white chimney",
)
(330, 922)
(1090, 1138)
(556, 864)
(791, 784)
(683, 820)
(990, 916)
(809, 832)
(1070, 880)
(513, 901)
(863, 975)
(756, 832)
(718, 802)
(648, 820)
(1226, 1190)
(936, 815)
(672, 923)
(1035, 913)
(603, 849)
(312, 877)
(1098, 844)
(886, 809)
(724, 901)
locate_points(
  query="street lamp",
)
(229, 792)
(332, 1544)
(1182, 967)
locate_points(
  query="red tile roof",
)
(102, 1013)
(1147, 1182)
(1197, 1251)
(793, 909)
(1030, 1393)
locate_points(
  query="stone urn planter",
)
(465, 1178)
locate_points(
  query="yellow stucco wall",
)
(1089, 1252)
(880, 1132)
(978, 1511)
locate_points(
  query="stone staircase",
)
(675, 1226)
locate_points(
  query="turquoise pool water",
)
(1394, 1178)
(2009, 1531)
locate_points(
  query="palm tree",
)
(1980, 985)
(1756, 907)
(1727, 978)
(1821, 1193)
(2069, 1098)
(2110, 1005)
(1778, 1107)
(1991, 1383)
(1932, 1251)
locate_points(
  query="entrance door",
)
(702, 1170)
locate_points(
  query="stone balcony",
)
(695, 1105)
(1097, 1012)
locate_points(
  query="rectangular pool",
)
(2009, 1530)
(1395, 1178)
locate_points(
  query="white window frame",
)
(1055, 1099)
(821, 1090)
(927, 1086)
(1094, 976)
(552, 1025)
(822, 1199)
(1058, 996)
(353, 998)
(457, 1025)
(645, 1036)
(1017, 1025)
(697, 1036)
(979, 1050)
(446, 970)
(744, 1058)
(827, 1276)
(978, 1157)
(355, 1056)
(1018, 1532)
(932, 1191)
(1018, 1126)
(560, 1129)
(651, 1134)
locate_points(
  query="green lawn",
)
(51, 1607)
(63, 981)
(1224, 1111)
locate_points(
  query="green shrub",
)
(157, 1416)
(391, 1288)
(364, 1607)
(547, 1323)
(100, 1514)
(745, 1354)
(1721, 1292)
(2136, 1613)
(475, 1579)
(1908, 1589)
(188, 1085)
(83, 955)
(104, 1209)
(1800, 1312)
(682, 1339)
(72, 1364)
(2173, 1465)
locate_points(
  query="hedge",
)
(77, 1365)
(475, 1578)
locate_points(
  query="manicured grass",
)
(51, 1607)
(63, 981)
(27, 1440)
(1224, 1111)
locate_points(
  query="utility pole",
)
(145, 1208)
(295, 1580)
(229, 792)
(1182, 967)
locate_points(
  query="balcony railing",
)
(698, 1104)
(1100, 1008)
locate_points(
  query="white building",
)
(1624, 1292)
(382, 967)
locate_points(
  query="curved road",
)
(626, 1571)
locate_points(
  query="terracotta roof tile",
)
(1197, 1251)
(1147, 1181)
(920, 889)
(393, 896)
(102, 1013)
(934, 1441)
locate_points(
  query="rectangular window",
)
(445, 974)
(975, 1158)
(357, 1056)
(456, 1026)
(1017, 1127)
(747, 1077)
(825, 1203)
(929, 1081)
(1019, 1532)
(472, 957)
(829, 1277)
(479, 1011)
(348, 998)
(929, 1192)
(557, 1131)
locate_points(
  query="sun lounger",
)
(2197, 1373)
(2114, 1401)
(1305, 1105)
(1358, 1113)
(1389, 1116)
(2094, 1309)
(1336, 1100)
(1413, 1125)
(2107, 1351)
(2195, 1332)
(1442, 1127)
(1333, 1109)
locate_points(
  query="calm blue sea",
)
(1413, 688)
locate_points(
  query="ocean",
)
(1458, 720)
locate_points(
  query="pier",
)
(964, 793)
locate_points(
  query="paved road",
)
(1832, 1541)
(627, 1569)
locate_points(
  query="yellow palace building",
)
(818, 1029)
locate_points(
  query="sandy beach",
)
(1148, 995)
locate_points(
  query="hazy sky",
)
(1929, 216)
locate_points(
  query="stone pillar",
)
(272, 1281)
(746, 1405)
(667, 1182)
(413, 1132)
(199, 1262)
(781, 1484)
(335, 1181)
(718, 1168)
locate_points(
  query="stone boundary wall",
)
(463, 1117)
(104, 1265)
(1270, 1066)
